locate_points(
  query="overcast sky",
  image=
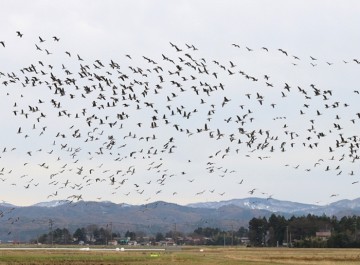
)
(298, 43)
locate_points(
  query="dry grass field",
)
(187, 255)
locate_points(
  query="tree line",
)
(276, 230)
(302, 231)
(94, 235)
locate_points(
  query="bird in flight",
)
(19, 34)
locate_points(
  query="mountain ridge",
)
(269, 204)
(283, 206)
(28, 222)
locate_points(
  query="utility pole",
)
(51, 222)
(111, 231)
(287, 236)
(232, 235)
(290, 240)
(175, 236)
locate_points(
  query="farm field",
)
(187, 255)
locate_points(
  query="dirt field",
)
(188, 255)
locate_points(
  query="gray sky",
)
(198, 168)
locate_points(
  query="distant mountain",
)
(287, 207)
(5, 204)
(51, 203)
(271, 205)
(25, 223)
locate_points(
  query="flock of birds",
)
(135, 126)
